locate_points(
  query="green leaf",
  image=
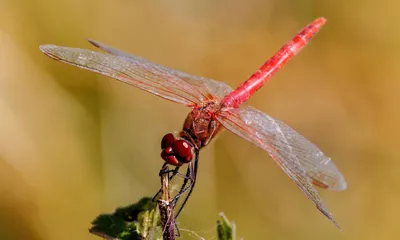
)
(134, 222)
(225, 229)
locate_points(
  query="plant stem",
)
(166, 207)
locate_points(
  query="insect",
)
(215, 106)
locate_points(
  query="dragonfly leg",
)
(192, 176)
(166, 170)
(187, 177)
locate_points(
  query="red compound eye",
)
(167, 140)
(170, 159)
(183, 151)
(168, 150)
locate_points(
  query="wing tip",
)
(327, 214)
(45, 47)
(337, 225)
(94, 42)
(342, 186)
(48, 50)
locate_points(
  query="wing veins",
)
(300, 177)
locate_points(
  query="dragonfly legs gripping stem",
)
(191, 174)
(187, 186)
(166, 170)
(188, 183)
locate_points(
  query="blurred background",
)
(74, 144)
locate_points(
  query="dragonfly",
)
(216, 106)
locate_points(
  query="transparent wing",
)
(161, 81)
(205, 85)
(299, 158)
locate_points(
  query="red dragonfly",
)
(214, 106)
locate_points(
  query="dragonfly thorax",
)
(199, 128)
(200, 125)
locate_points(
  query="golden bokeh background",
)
(74, 144)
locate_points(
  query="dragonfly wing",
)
(299, 158)
(207, 87)
(161, 81)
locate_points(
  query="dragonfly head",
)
(176, 151)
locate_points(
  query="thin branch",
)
(166, 206)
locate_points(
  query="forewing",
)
(208, 88)
(299, 158)
(161, 81)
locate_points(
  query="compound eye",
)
(183, 151)
(167, 140)
(170, 159)
(169, 150)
